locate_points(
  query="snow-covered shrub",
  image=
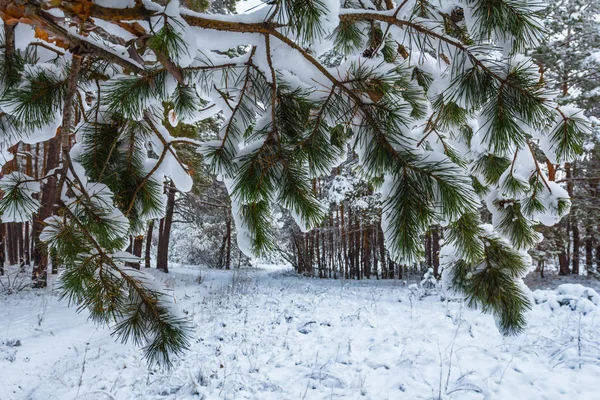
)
(574, 296)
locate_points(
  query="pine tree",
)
(569, 59)
(438, 103)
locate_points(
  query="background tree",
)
(569, 58)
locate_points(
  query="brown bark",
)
(366, 254)
(2, 253)
(435, 251)
(563, 263)
(162, 254)
(343, 239)
(148, 244)
(589, 250)
(382, 253)
(20, 245)
(576, 245)
(228, 256)
(10, 243)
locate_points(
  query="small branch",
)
(537, 167)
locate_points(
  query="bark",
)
(228, 257)
(20, 245)
(589, 249)
(344, 245)
(162, 256)
(26, 244)
(2, 253)
(382, 253)
(563, 262)
(428, 260)
(54, 262)
(149, 243)
(10, 243)
(366, 254)
(576, 245)
(435, 251)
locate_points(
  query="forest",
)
(448, 151)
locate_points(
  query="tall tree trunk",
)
(228, 255)
(54, 261)
(162, 256)
(576, 245)
(21, 245)
(428, 261)
(344, 234)
(357, 245)
(11, 243)
(382, 255)
(366, 253)
(40, 255)
(435, 251)
(563, 262)
(2, 253)
(26, 244)
(148, 244)
(138, 243)
(589, 249)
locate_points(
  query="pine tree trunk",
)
(366, 253)
(316, 238)
(20, 243)
(2, 253)
(435, 251)
(357, 245)
(589, 249)
(26, 244)
(428, 261)
(576, 245)
(162, 256)
(228, 256)
(54, 262)
(343, 239)
(563, 262)
(331, 247)
(382, 256)
(40, 256)
(148, 244)
(12, 244)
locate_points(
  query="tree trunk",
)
(228, 256)
(149, 243)
(576, 245)
(343, 239)
(40, 256)
(382, 255)
(435, 251)
(162, 256)
(10, 244)
(26, 244)
(589, 249)
(2, 254)
(563, 262)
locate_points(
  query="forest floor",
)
(269, 334)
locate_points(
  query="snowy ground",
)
(265, 334)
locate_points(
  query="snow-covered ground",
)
(267, 334)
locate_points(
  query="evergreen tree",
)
(437, 101)
(570, 60)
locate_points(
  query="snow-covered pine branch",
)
(436, 99)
